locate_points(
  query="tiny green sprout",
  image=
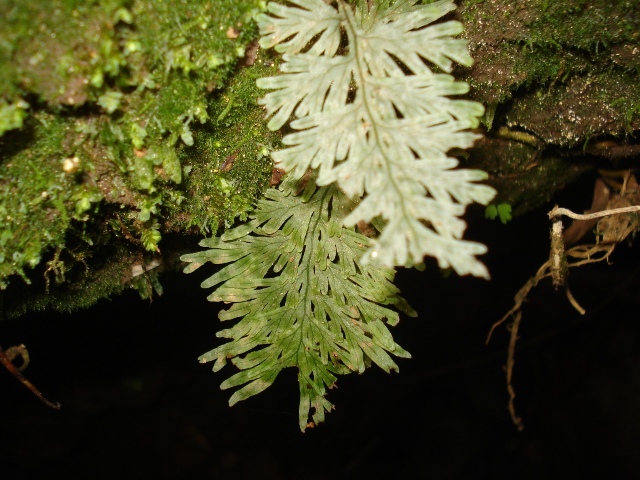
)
(214, 61)
(501, 210)
(84, 200)
(122, 15)
(132, 46)
(148, 207)
(97, 79)
(224, 186)
(225, 111)
(187, 136)
(138, 134)
(110, 101)
(151, 237)
(12, 115)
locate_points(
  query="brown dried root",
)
(6, 359)
(617, 222)
(517, 421)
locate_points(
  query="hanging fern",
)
(374, 124)
(304, 301)
(372, 117)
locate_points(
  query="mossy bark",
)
(121, 123)
(127, 124)
(559, 82)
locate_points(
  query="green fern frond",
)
(371, 116)
(303, 300)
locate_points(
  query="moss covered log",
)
(127, 124)
(121, 122)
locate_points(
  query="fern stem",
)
(350, 26)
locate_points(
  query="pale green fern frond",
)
(371, 116)
(294, 279)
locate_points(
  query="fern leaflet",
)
(294, 278)
(371, 116)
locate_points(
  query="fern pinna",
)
(294, 279)
(374, 124)
(372, 117)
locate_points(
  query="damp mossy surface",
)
(559, 83)
(112, 136)
(125, 121)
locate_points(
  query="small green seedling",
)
(500, 210)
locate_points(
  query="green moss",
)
(538, 44)
(38, 193)
(580, 108)
(561, 73)
(592, 26)
(120, 92)
(229, 165)
(85, 282)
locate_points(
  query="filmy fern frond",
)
(303, 300)
(372, 117)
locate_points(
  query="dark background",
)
(136, 403)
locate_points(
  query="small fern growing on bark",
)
(374, 124)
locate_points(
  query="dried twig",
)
(557, 211)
